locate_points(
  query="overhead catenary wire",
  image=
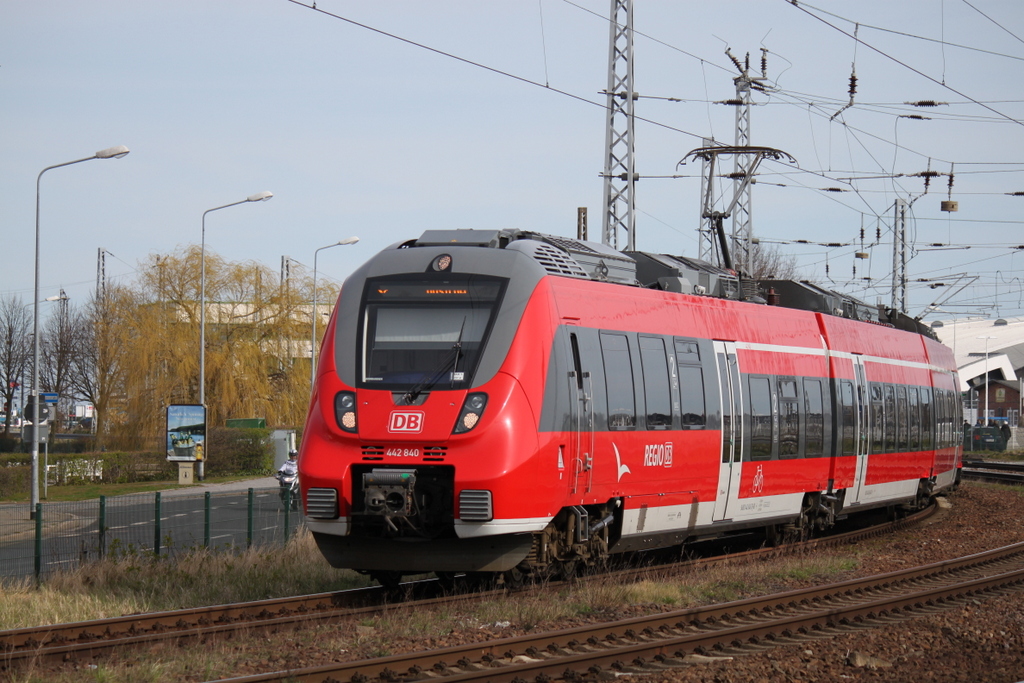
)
(884, 54)
(859, 140)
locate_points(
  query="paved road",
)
(71, 533)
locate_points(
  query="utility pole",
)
(742, 218)
(899, 256)
(706, 249)
(101, 273)
(620, 165)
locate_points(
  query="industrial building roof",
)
(995, 344)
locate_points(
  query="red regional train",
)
(506, 401)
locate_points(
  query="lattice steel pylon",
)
(706, 246)
(899, 256)
(742, 215)
(619, 167)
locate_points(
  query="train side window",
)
(947, 418)
(789, 419)
(761, 436)
(902, 425)
(848, 417)
(691, 393)
(890, 418)
(926, 418)
(814, 444)
(877, 419)
(656, 389)
(915, 418)
(787, 389)
(618, 374)
(687, 351)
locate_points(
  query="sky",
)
(384, 119)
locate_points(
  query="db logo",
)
(407, 421)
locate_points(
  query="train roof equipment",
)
(574, 258)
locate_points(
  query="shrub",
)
(9, 444)
(125, 467)
(15, 475)
(239, 451)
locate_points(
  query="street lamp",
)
(109, 153)
(312, 343)
(258, 197)
(986, 338)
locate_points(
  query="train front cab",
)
(419, 452)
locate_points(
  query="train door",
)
(862, 401)
(731, 410)
(580, 457)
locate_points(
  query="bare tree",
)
(58, 346)
(99, 357)
(768, 262)
(15, 351)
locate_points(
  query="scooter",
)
(289, 490)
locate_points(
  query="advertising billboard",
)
(186, 433)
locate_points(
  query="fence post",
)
(206, 520)
(103, 526)
(156, 526)
(39, 541)
(248, 537)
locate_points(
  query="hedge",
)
(246, 452)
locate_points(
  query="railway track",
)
(692, 636)
(995, 472)
(93, 640)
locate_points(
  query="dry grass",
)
(135, 583)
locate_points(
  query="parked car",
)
(983, 439)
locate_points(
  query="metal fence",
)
(61, 536)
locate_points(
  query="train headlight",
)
(472, 411)
(345, 410)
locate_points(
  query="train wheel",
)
(570, 570)
(800, 530)
(515, 578)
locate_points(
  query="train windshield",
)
(426, 332)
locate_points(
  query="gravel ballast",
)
(982, 642)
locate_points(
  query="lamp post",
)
(312, 341)
(258, 197)
(109, 153)
(986, 338)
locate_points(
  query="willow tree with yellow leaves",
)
(257, 345)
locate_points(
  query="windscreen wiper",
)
(451, 360)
